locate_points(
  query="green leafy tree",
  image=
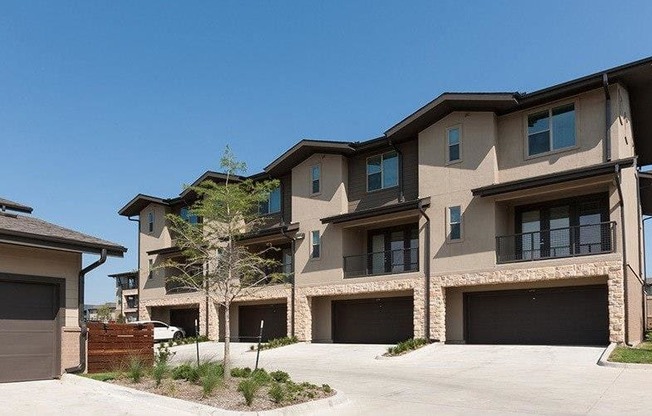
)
(214, 260)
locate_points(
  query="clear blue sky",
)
(102, 100)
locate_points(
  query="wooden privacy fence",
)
(113, 346)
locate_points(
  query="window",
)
(151, 269)
(382, 171)
(455, 223)
(453, 141)
(150, 222)
(551, 130)
(188, 216)
(315, 179)
(315, 245)
(273, 203)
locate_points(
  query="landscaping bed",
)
(275, 343)
(641, 354)
(247, 390)
(405, 347)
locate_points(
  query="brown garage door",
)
(373, 321)
(275, 317)
(555, 316)
(29, 331)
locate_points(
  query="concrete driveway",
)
(457, 379)
(438, 379)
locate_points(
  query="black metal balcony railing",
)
(382, 262)
(129, 285)
(132, 304)
(579, 240)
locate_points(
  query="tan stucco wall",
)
(309, 210)
(158, 239)
(51, 263)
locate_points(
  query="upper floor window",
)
(453, 139)
(455, 223)
(315, 245)
(188, 216)
(382, 171)
(273, 203)
(150, 269)
(150, 222)
(551, 130)
(315, 179)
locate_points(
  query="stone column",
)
(437, 313)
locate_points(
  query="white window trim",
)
(318, 165)
(448, 224)
(448, 146)
(311, 245)
(382, 172)
(549, 108)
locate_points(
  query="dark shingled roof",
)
(29, 230)
(14, 206)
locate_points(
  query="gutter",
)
(621, 204)
(401, 195)
(426, 271)
(607, 118)
(293, 242)
(82, 323)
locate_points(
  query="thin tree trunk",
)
(227, 341)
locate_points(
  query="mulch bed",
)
(225, 396)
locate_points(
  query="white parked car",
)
(163, 331)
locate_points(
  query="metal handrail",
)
(556, 243)
(363, 264)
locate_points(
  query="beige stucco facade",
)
(493, 151)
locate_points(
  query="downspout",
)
(293, 242)
(622, 228)
(401, 195)
(82, 323)
(607, 118)
(426, 271)
(641, 247)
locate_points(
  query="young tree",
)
(103, 313)
(213, 261)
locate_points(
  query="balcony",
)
(580, 240)
(382, 262)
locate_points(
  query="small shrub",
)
(210, 367)
(248, 387)
(326, 388)
(211, 379)
(163, 353)
(261, 376)
(159, 371)
(280, 376)
(240, 372)
(277, 393)
(135, 370)
(186, 372)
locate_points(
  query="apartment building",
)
(126, 295)
(480, 218)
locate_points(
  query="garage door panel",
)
(559, 316)
(275, 317)
(373, 321)
(28, 331)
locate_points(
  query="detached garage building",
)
(40, 277)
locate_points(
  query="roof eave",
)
(28, 239)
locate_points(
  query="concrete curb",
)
(202, 409)
(604, 360)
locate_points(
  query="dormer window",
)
(273, 203)
(150, 222)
